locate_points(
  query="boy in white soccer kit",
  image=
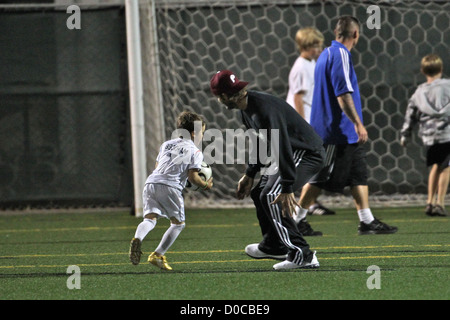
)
(178, 160)
(301, 76)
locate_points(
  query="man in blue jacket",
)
(336, 115)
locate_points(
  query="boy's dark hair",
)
(186, 120)
(345, 26)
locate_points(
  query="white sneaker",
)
(285, 265)
(253, 251)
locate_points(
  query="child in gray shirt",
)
(430, 107)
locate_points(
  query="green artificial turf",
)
(209, 261)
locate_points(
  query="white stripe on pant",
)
(275, 212)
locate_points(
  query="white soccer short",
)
(163, 200)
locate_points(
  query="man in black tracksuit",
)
(300, 156)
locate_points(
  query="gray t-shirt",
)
(430, 107)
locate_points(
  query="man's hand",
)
(361, 132)
(244, 187)
(288, 203)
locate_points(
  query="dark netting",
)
(255, 39)
(64, 123)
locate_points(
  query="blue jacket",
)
(334, 76)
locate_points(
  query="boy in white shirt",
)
(301, 77)
(301, 86)
(178, 160)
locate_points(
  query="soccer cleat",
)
(439, 211)
(159, 261)
(306, 230)
(429, 210)
(135, 251)
(253, 251)
(319, 210)
(375, 227)
(287, 265)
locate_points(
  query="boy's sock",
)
(144, 228)
(300, 214)
(169, 238)
(365, 215)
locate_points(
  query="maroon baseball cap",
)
(226, 82)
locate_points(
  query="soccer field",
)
(209, 261)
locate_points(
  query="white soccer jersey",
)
(175, 158)
(301, 78)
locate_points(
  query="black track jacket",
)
(265, 111)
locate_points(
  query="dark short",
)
(345, 165)
(439, 154)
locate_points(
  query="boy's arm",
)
(195, 179)
(298, 102)
(411, 118)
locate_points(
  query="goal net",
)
(185, 42)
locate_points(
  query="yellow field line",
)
(331, 258)
(121, 228)
(198, 226)
(226, 261)
(103, 254)
(211, 251)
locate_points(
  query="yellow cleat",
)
(160, 262)
(135, 251)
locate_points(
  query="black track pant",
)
(280, 234)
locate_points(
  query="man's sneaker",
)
(429, 209)
(375, 227)
(320, 210)
(286, 265)
(135, 251)
(253, 251)
(160, 262)
(439, 211)
(306, 230)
